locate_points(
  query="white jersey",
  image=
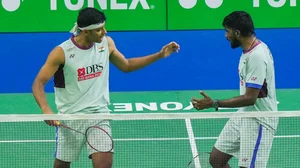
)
(81, 84)
(256, 70)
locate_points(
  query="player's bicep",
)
(256, 72)
(116, 57)
(252, 93)
(54, 60)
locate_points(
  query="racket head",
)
(191, 163)
(200, 161)
(98, 138)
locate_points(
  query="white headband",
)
(75, 30)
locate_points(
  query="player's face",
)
(232, 38)
(97, 35)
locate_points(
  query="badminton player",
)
(247, 139)
(80, 66)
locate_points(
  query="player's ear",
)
(85, 32)
(237, 33)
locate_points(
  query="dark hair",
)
(240, 20)
(89, 16)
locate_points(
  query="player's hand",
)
(169, 49)
(204, 103)
(50, 122)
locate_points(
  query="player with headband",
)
(80, 66)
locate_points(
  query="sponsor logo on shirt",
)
(253, 78)
(89, 72)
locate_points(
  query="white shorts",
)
(247, 140)
(69, 143)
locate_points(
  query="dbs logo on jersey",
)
(89, 72)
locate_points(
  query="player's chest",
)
(95, 54)
(83, 63)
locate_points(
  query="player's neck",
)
(249, 43)
(82, 42)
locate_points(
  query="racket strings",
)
(99, 139)
(97, 136)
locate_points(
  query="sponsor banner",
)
(60, 15)
(143, 102)
(209, 14)
(134, 15)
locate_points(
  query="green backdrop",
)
(124, 15)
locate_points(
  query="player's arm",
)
(255, 77)
(248, 99)
(54, 60)
(133, 64)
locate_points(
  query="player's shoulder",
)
(261, 51)
(67, 44)
(63, 48)
(57, 55)
(262, 46)
(109, 40)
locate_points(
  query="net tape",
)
(145, 116)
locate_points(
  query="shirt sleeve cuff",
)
(253, 85)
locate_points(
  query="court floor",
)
(141, 143)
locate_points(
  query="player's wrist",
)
(215, 104)
(160, 54)
(46, 110)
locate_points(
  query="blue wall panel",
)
(204, 62)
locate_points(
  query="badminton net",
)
(159, 140)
